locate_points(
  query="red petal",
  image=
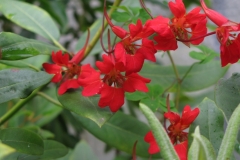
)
(189, 116)
(70, 83)
(134, 62)
(173, 117)
(112, 97)
(181, 150)
(135, 82)
(120, 32)
(153, 148)
(106, 66)
(148, 49)
(178, 8)
(120, 53)
(214, 16)
(135, 29)
(166, 43)
(52, 68)
(230, 53)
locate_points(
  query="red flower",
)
(175, 131)
(66, 71)
(114, 83)
(230, 43)
(129, 51)
(181, 26)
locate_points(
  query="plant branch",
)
(98, 33)
(18, 106)
(50, 99)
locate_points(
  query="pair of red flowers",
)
(175, 131)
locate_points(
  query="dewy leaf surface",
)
(201, 76)
(30, 17)
(211, 122)
(227, 93)
(15, 47)
(85, 106)
(22, 140)
(19, 83)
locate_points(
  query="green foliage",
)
(85, 106)
(206, 54)
(19, 83)
(230, 136)
(153, 98)
(210, 122)
(30, 17)
(160, 135)
(121, 132)
(15, 47)
(22, 140)
(197, 79)
(83, 150)
(201, 148)
(227, 94)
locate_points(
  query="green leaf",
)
(120, 16)
(58, 13)
(52, 150)
(32, 62)
(5, 150)
(121, 132)
(211, 122)
(16, 83)
(160, 135)
(227, 94)
(201, 148)
(22, 140)
(205, 55)
(85, 106)
(143, 15)
(229, 139)
(30, 17)
(197, 79)
(15, 47)
(83, 150)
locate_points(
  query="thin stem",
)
(98, 33)
(185, 75)
(144, 7)
(59, 45)
(178, 79)
(189, 40)
(174, 67)
(50, 99)
(18, 106)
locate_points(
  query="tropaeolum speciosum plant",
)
(51, 94)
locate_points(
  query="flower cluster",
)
(118, 72)
(175, 130)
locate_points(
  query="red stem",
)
(189, 40)
(144, 7)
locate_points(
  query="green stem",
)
(50, 99)
(59, 45)
(18, 106)
(98, 33)
(178, 79)
(185, 75)
(174, 67)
